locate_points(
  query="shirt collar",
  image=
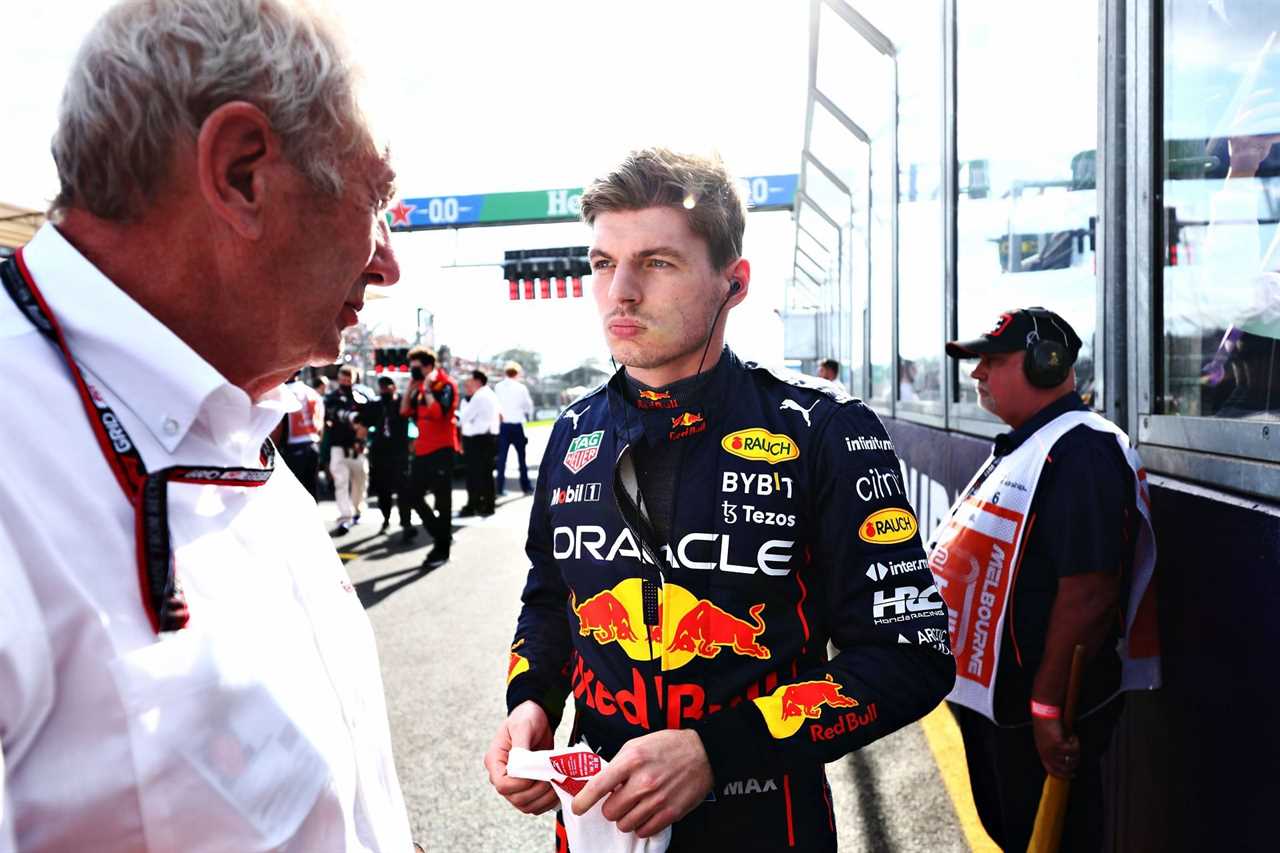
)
(1007, 442)
(146, 366)
(659, 412)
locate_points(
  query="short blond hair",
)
(699, 187)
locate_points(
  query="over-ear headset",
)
(1045, 363)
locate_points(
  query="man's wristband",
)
(1041, 711)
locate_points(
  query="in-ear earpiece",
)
(734, 286)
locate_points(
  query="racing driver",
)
(701, 530)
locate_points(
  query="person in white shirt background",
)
(184, 664)
(517, 407)
(479, 419)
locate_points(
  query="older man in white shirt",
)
(517, 408)
(480, 419)
(184, 664)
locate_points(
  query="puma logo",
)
(570, 413)
(792, 404)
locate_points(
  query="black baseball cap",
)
(1018, 330)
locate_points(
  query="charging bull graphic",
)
(686, 420)
(656, 400)
(706, 629)
(603, 616)
(688, 627)
(804, 698)
(786, 709)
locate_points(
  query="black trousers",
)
(434, 473)
(1007, 777)
(303, 459)
(479, 452)
(389, 476)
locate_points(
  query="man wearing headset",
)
(697, 537)
(1049, 546)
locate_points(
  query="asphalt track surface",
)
(443, 639)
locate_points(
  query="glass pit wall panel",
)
(1026, 206)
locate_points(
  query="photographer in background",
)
(432, 401)
(347, 463)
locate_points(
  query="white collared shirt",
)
(517, 405)
(262, 725)
(480, 414)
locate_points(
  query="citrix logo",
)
(878, 484)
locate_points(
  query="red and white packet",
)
(568, 771)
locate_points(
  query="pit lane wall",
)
(1194, 763)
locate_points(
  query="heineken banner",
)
(768, 192)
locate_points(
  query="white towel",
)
(568, 771)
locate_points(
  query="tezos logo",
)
(760, 445)
(888, 526)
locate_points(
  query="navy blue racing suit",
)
(789, 529)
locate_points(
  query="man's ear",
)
(740, 271)
(235, 151)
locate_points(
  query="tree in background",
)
(527, 359)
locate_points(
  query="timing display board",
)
(765, 192)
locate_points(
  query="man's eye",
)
(659, 263)
(601, 264)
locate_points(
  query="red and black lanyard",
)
(146, 491)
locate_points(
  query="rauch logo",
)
(760, 445)
(888, 526)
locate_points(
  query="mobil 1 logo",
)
(576, 493)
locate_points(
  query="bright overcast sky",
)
(484, 96)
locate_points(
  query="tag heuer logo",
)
(582, 450)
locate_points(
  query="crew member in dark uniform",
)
(389, 454)
(1054, 514)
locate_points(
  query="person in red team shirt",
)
(432, 401)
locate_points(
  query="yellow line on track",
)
(347, 556)
(943, 735)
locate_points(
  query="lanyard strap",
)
(147, 492)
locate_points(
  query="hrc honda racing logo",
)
(905, 603)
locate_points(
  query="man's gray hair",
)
(151, 71)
